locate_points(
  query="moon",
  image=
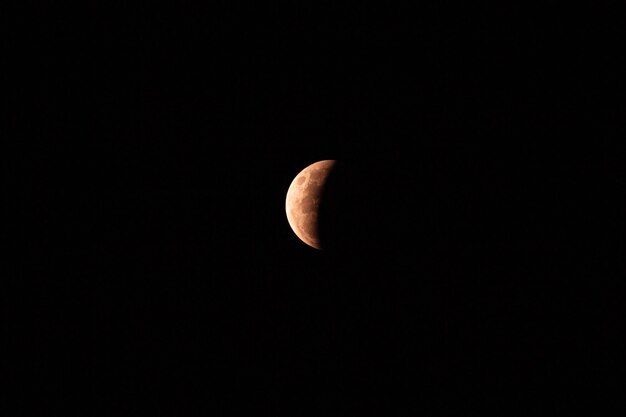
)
(303, 200)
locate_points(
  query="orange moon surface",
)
(303, 199)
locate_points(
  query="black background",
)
(475, 221)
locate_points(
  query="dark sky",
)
(475, 221)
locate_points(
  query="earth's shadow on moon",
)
(358, 212)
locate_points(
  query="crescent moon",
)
(303, 199)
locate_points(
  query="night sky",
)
(474, 222)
